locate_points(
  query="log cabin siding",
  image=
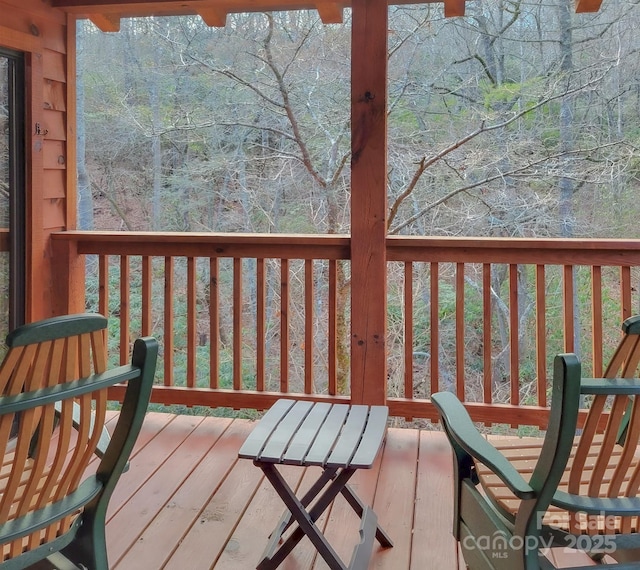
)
(47, 38)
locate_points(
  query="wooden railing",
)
(504, 308)
(243, 319)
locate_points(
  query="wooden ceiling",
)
(106, 14)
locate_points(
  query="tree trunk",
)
(566, 184)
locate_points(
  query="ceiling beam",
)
(106, 22)
(105, 14)
(454, 8)
(330, 12)
(587, 5)
(212, 16)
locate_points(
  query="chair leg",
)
(57, 561)
(89, 548)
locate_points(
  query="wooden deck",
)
(188, 502)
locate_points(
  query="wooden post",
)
(67, 291)
(368, 201)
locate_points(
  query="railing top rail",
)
(208, 237)
(577, 251)
(200, 244)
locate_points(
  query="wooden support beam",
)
(369, 201)
(106, 22)
(587, 6)
(330, 12)
(214, 17)
(453, 8)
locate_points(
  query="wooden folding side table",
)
(339, 438)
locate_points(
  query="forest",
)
(519, 119)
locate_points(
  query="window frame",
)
(16, 78)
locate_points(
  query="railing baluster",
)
(569, 313)
(146, 295)
(460, 326)
(284, 325)
(408, 330)
(514, 335)
(541, 334)
(103, 285)
(434, 322)
(103, 291)
(487, 344)
(625, 278)
(332, 327)
(125, 316)
(214, 323)
(191, 322)
(596, 320)
(168, 321)
(238, 305)
(260, 325)
(309, 318)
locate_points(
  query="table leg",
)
(327, 475)
(359, 507)
(306, 520)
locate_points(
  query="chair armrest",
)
(463, 433)
(612, 506)
(134, 406)
(610, 386)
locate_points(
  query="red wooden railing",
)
(245, 318)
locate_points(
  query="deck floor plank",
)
(433, 518)
(246, 545)
(159, 436)
(214, 528)
(395, 498)
(219, 514)
(138, 512)
(179, 512)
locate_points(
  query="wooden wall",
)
(47, 37)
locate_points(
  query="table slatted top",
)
(308, 433)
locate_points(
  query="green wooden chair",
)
(53, 385)
(576, 487)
